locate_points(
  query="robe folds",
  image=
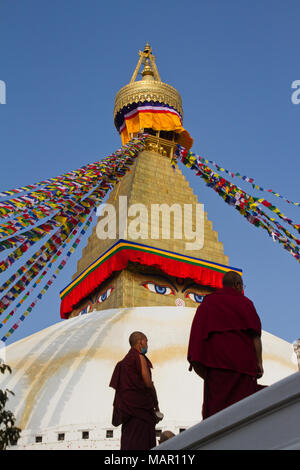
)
(221, 339)
(134, 403)
(223, 388)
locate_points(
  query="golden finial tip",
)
(147, 48)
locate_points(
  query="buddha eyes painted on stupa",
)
(158, 289)
(195, 297)
(87, 309)
(142, 286)
(161, 289)
(104, 295)
(92, 301)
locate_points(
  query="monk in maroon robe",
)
(225, 346)
(135, 401)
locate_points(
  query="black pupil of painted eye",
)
(160, 289)
(198, 297)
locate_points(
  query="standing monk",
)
(135, 400)
(225, 346)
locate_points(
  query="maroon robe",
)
(134, 403)
(221, 339)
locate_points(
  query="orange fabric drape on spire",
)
(158, 119)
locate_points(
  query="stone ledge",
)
(265, 421)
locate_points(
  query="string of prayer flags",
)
(50, 248)
(50, 197)
(56, 208)
(248, 206)
(247, 179)
(46, 286)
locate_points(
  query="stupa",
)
(151, 258)
(152, 221)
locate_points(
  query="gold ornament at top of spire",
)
(148, 60)
(149, 88)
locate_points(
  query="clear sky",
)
(233, 63)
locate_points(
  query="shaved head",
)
(135, 337)
(165, 435)
(230, 278)
(233, 279)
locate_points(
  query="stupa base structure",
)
(60, 375)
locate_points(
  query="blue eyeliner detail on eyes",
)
(104, 296)
(198, 298)
(160, 289)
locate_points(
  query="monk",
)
(165, 436)
(225, 347)
(135, 401)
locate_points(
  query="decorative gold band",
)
(145, 90)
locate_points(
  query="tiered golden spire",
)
(149, 88)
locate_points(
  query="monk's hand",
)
(260, 370)
(158, 415)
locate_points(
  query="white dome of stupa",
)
(60, 375)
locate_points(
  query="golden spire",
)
(148, 60)
(149, 88)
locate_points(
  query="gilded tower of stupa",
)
(153, 218)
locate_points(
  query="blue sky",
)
(233, 63)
